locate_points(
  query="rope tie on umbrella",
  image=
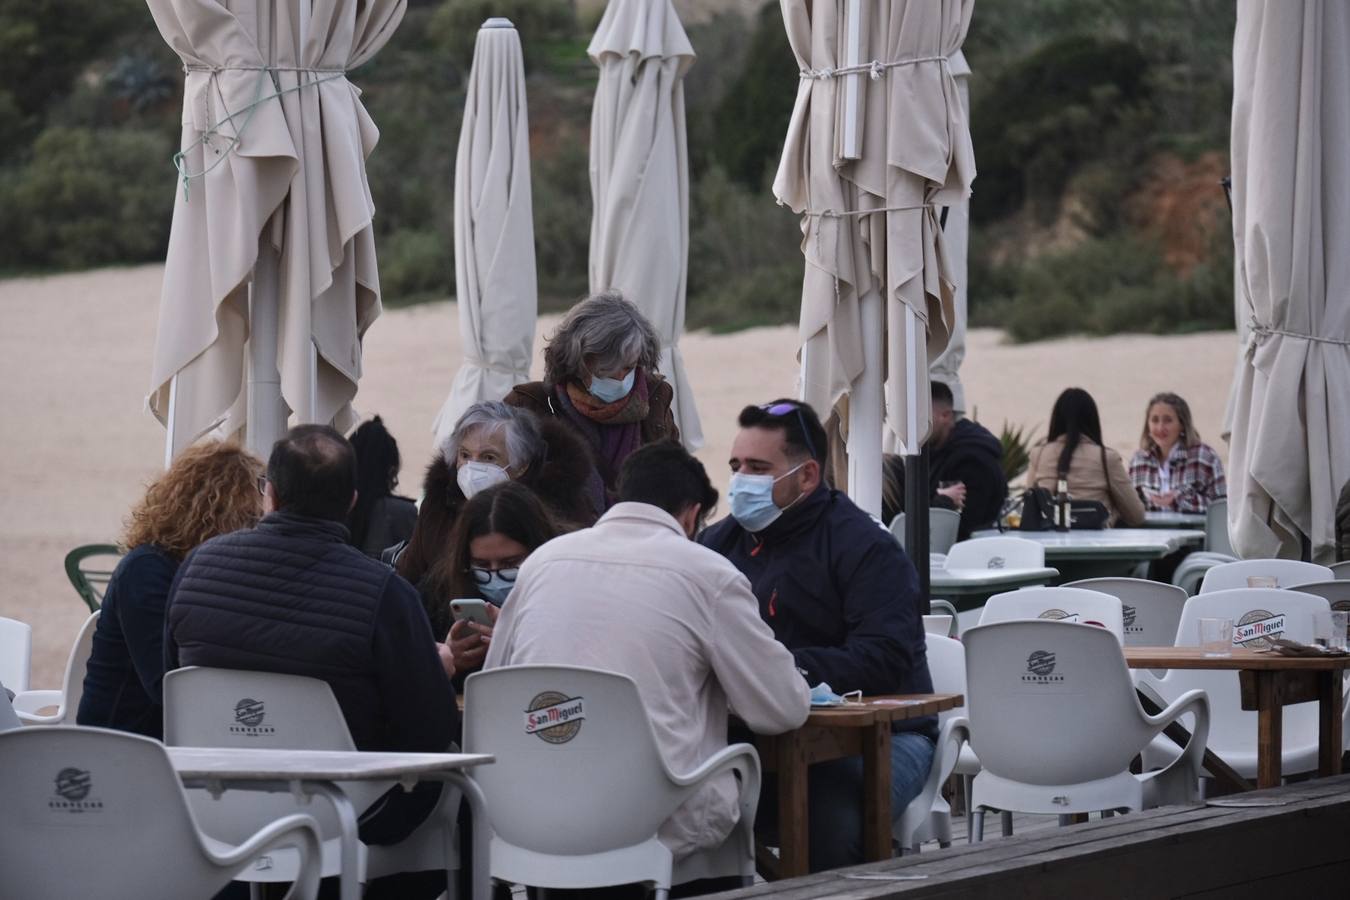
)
(874, 69)
(1257, 328)
(213, 128)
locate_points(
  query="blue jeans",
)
(834, 797)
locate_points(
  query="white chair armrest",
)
(299, 831)
(27, 704)
(737, 757)
(953, 735)
(1178, 781)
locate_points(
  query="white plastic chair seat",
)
(1289, 573)
(1150, 609)
(996, 553)
(1057, 604)
(16, 651)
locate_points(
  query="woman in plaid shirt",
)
(1173, 470)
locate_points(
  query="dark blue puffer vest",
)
(289, 596)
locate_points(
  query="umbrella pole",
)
(266, 419)
(916, 521)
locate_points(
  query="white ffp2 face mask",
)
(479, 476)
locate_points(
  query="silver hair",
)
(524, 441)
(606, 329)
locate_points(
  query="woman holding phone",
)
(496, 530)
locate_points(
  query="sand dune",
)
(78, 445)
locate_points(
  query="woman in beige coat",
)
(1073, 448)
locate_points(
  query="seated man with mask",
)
(839, 592)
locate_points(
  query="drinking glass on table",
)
(1340, 621)
(1216, 636)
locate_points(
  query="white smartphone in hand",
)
(471, 610)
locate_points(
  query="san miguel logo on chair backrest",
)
(1253, 629)
(248, 718)
(73, 787)
(554, 718)
(1041, 668)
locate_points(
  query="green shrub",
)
(561, 186)
(543, 25)
(87, 198)
(415, 265)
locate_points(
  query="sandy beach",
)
(79, 446)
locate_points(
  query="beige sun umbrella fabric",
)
(1289, 415)
(640, 177)
(495, 285)
(956, 236)
(270, 158)
(871, 153)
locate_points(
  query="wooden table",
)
(858, 729)
(318, 771)
(1269, 683)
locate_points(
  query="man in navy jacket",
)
(294, 596)
(839, 592)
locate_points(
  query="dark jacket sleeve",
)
(881, 616)
(416, 694)
(142, 604)
(170, 645)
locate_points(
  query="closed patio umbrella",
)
(495, 285)
(271, 245)
(956, 234)
(877, 143)
(1289, 411)
(640, 177)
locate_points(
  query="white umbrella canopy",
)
(878, 140)
(273, 161)
(1289, 412)
(495, 284)
(956, 236)
(640, 177)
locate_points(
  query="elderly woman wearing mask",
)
(490, 444)
(600, 379)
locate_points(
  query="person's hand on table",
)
(955, 493)
(469, 641)
(1163, 500)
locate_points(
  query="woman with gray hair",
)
(600, 379)
(492, 443)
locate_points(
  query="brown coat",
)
(1094, 474)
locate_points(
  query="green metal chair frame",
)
(90, 583)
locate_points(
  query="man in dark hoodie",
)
(969, 454)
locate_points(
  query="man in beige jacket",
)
(635, 594)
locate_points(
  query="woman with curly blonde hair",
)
(211, 489)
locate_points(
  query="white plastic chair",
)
(943, 527)
(1337, 593)
(1150, 609)
(16, 651)
(97, 813)
(66, 700)
(947, 668)
(1341, 570)
(205, 707)
(938, 624)
(1233, 730)
(996, 553)
(1289, 573)
(1217, 540)
(1055, 721)
(1056, 604)
(581, 807)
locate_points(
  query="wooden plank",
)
(793, 836)
(1240, 658)
(1295, 687)
(1173, 851)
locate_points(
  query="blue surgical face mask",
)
(610, 390)
(497, 585)
(751, 499)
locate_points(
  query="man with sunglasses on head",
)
(839, 593)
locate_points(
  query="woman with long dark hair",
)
(380, 517)
(496, 530)
(1074, 451)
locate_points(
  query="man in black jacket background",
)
(838, 592)
(293, 596)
